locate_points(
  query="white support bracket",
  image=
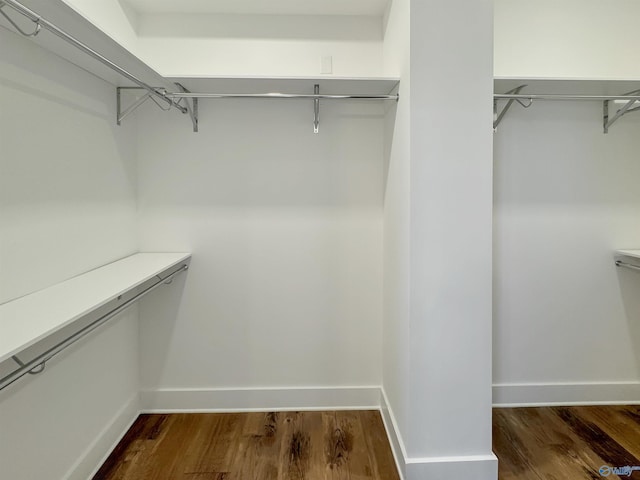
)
(626, 108)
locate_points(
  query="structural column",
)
(451, 202)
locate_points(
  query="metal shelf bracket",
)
(626, 108)
(192, 108)
(121, 114)
(497, 117)
(17, 27)
(316, 109)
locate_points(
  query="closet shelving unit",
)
(79, 41)
(525, 92)
(36, 327)
(618, 98)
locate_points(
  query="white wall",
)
(184, 44)
(285, 227)
(566, 196)
(67, 183)
(568, 39)
(67, 197)
(262, 45)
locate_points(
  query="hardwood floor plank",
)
(380, 454)
(208, 452)
(126, 450)
(174, 447)
(570, 455)
(358, 458)
(609, 450)
(339, 442)
(515, 459)
(299, 449)
(621, 423)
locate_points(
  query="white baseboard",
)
(98, 451)
(477, 467)
(260, 399)
(393, 433)
(539, 394)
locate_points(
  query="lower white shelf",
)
(35, 317)
(629, 253)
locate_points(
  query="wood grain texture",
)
(254, 446)
(553, 443)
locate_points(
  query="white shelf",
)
(251, 7)
(629, 253)
(32, 318)
(566, 86)
(255, 84)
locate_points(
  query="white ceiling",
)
(261, 7)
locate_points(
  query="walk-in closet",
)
(274, 215)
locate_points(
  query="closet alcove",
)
(565, 201)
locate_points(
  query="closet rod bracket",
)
(626, 108)
(316, 109)
(17, 27)
(497, 117)
(35, 370)
(123, 113)
(192, 107)
(620, 263)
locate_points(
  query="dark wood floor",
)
(254, 446)
(573, 443)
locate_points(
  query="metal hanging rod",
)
(620, 263)
(37, 364)
(538, 96)
(43, 23)
(312, 96)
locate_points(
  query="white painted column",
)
(450, 240)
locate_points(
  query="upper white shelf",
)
(291, 85)
(73, 23)
(29, 319)
(566, 86)
(251, 7)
